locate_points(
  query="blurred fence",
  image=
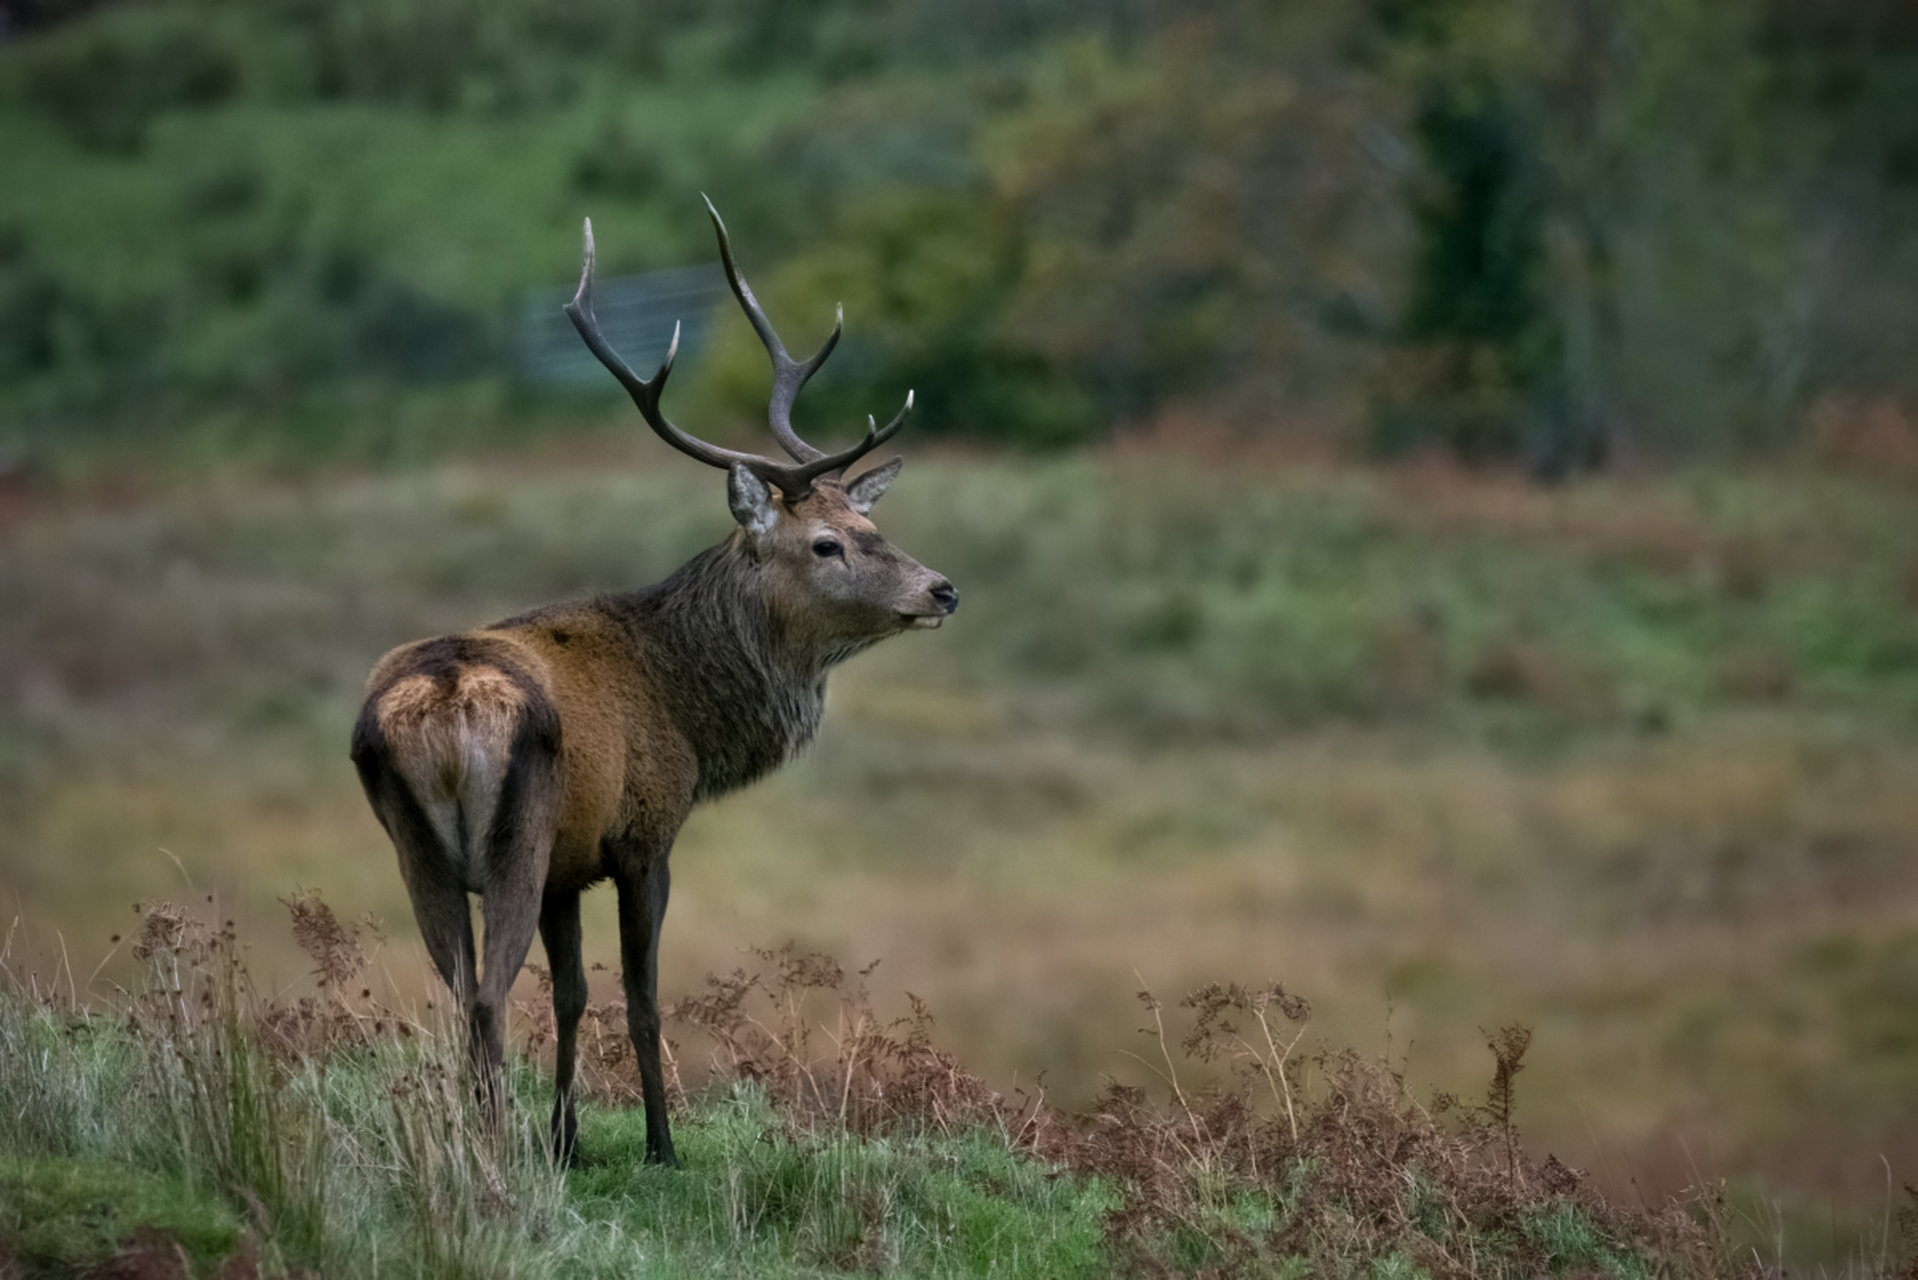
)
(636, 313)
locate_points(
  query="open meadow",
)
(1433, 487)
(1633, 763)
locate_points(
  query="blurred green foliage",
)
(1548, 230)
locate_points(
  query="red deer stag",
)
(530, 759)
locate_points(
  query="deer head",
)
(831, 576)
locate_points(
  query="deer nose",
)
(945, 595)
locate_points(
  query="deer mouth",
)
(945, 600)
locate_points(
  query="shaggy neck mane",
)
(746, 692)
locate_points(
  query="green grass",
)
(200, 1115)
(771, 1201)
(747, 1199)
(184, 1116)
(64, 1215)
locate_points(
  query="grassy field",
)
(1631, 763)
(193, 1124)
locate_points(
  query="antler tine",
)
(876, 435)
(645, 394)
(789, 375)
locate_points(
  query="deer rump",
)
(458, 749)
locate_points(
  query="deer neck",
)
(743, 693)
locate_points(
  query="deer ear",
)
(870, 487)
(751, 500)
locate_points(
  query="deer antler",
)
(789, 375)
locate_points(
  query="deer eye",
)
(827, 547)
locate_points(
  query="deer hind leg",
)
(427, 865)
(559, 930)
(518, 843)
(438, 897)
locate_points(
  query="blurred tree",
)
(1657, 224)
(103, 82)
(1507, 297)
(924, 275)
(1840, 79)
(1533, 230)
(17, 17)
(1195, 213)
(1096, 229)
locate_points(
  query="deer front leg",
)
(559, 930)
(643, 886)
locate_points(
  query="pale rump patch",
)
(452, 747)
